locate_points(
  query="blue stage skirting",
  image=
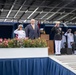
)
(32, 66)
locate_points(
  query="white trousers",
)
(62, 44)
(69, 44)
(57, 46)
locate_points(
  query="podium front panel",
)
(45, 36)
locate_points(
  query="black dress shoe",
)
(58, 54)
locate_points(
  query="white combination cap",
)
(56, 21)
(20, 25)
(41, 29)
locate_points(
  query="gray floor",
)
(68, 61)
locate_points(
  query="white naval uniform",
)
(70, 38)
(20, 33)
(63, 41)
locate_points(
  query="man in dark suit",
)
(32, 30)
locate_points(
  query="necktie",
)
(33, 26)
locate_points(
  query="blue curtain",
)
(6, 31)
(32, 66)
(57, 69)
(28, 66)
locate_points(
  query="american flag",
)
(39, 24)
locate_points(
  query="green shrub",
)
(22, 43)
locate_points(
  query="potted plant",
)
(23, 48)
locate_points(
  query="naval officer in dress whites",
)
(20, 32)
(70, 38)
(63, 41)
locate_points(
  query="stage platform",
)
(68, 61)
(51, 65)
(35, 61)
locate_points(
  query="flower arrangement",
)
(22, 43)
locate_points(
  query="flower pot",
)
(23, 52)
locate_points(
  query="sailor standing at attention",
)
(20, 32)
(70, 38)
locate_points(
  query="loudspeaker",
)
(66, 51)
(63, 51)
(69, 51)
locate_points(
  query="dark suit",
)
(32, 33)
(58, 33)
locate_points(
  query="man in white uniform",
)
(63, 40)
(20, 32)
(70, 38)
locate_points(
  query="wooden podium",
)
(50, 43)
(45, 36)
